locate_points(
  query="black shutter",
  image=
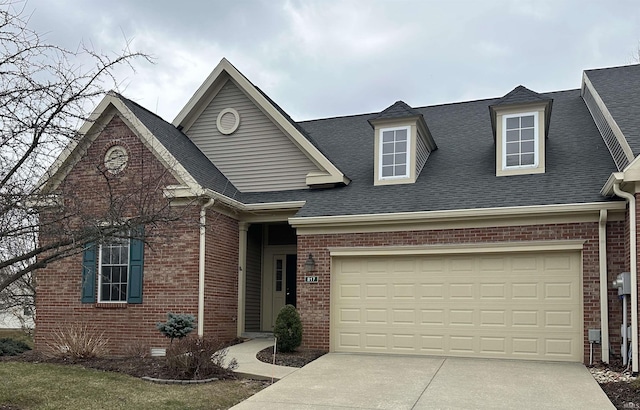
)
(89, 274)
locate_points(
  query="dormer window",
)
(520, 140)
(402, 145)
(520, 122)
(395, 146)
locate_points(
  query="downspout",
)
(203, 230)
(634, 273)
(604, 283)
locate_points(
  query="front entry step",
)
(258, 335)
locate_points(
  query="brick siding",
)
(170, 255)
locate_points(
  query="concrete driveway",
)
(349, 381)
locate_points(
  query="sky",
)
(324, 58)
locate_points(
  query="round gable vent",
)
(116, 158)
(228, 121)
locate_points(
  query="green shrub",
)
(199, 358)
(11, 347)
(288, 330)
(177, 325)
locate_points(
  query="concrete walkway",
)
(249, 366)
(350, 381)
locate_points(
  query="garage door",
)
(524, 306)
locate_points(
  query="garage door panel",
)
(492, 310)
(493, 291)
(431, 291)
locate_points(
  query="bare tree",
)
(45, 91)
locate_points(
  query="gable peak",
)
(521, 95)
(399, 109)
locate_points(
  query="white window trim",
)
(100, 274)
(536, 136)
(407, 175)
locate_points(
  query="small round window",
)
(228, 121)
(116, 158)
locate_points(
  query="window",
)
(113, 271)
(394, 152)
(520, 139)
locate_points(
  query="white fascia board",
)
(275, 206)
(408, 217)
(200, 93)
(182, 191)
(84, 130)
(622, 140)
(333, 173)
(607, 188)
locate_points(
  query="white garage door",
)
(524, 306)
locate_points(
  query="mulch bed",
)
(622, 394)
(614, 381)
(134, 366)
(298, 358)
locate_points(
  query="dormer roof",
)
(399, 109)
(521, 95)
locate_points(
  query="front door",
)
(284, 282)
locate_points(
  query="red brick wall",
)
(170, 256)
(314, 300)
(221, 276)
(617, 262)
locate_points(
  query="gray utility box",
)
(623, 283)
(594, 336)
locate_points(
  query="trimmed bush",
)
(199, 358)
(177, 325)
(288, 329)
(11, 347)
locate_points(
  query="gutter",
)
(604, 283)
(633, 249)
(201, 260)
(456, 214)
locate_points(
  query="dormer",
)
(520, 123)
(402, 145)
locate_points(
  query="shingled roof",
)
(619, 88)
(520, 95)
(399, 109)
(183, 150)
(459, 175)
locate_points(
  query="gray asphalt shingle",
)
(459, 175)
(184, 150)
(619, 88)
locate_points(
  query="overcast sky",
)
(321, 58)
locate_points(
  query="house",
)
(489, 228)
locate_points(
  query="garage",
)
(524, 305)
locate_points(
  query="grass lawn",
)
(51, 386)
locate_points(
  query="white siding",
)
(258, 156)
